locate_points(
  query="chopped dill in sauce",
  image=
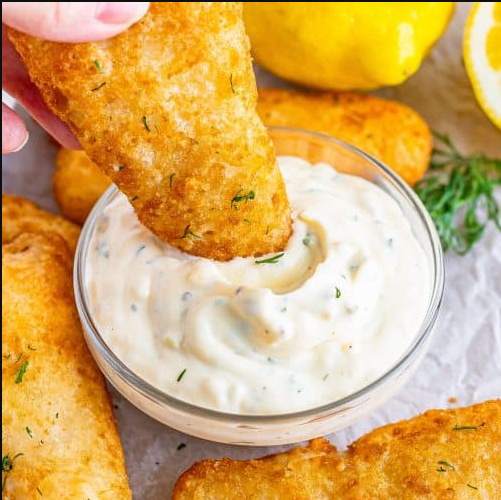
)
(447, 464)
(471, 486)
(181, 375)
(306, 241)
(28, 431)
(171, 179)
(270, 260)
(467, 427)
(338, 293)
(145, 123)
(231, 83)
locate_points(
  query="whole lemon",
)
(344, 45)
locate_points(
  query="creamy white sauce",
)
(334, 312)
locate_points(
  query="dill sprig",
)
(458, 191)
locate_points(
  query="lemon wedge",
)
(482, 56)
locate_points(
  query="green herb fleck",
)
(187, 233)
(19, 357)
(171, 179)
(241, 197)
(306, 241)
(325, 377)
(181, 375)
(471, 486)
(39, 491)
(57, 415)
(134, 198)
(145, 123)
(181, 446)
(101, 85)
(31, 348)
(28, 431)
(447, 464)
(441, 469)
(231, 83)
(467, 427)
(7, 356)
(270, 260)
(21, 372)
(97, 64)
(7, 466)
(247, 221)
(338, 293)
(458, 191)
(267, 230)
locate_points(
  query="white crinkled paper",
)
(464, 360)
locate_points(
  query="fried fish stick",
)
(20, 215)
(167, 110)
(388, 130)
(77, 184)
(442, 454)
(59, 437)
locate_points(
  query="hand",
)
(61, 22)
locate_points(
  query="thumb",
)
(72, 21)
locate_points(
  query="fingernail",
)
(21, 146)
(120, 12)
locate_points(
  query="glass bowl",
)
(292, 427)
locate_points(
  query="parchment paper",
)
(464, 360)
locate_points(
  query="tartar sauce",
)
(273, 334)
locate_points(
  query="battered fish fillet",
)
(440, 455)
(20, 216)
(77, 184)
(167, 110)
(388, 130)
(59, 438)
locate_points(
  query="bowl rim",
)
(157, 396)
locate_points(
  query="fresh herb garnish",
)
(31, 348)
(270, 260)
(471, 486)
(447, 464)
(247, 221)
(338, 293)
(21, 372)
(455, 190)
(28, 431)
(7, 356)
(57, 415)
(171, 179)
(181, 375)
(97, 64)
(39, 491)
(441, 469)
(466, 427)
(134, 198)
(187, 233)
(241, 197)
(19, 357)
(7, 466)
(231, 83)
(306, 241)
(145, 123)
(267, 230)
(181, 446)
(98, 87)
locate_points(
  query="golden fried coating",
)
(167, 110)
(442, 454)
(388, 130)
(20, 216)
(59, 438)
(77, 184)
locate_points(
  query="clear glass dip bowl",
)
(292, 427)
